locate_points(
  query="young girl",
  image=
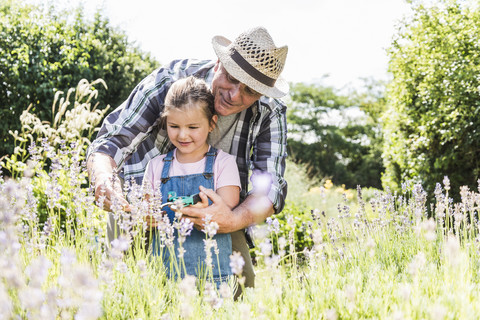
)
(189, 116)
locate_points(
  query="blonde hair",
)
(189, 92)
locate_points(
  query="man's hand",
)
(152, 223)
(102, 171)
(219, 211)
(253, 210)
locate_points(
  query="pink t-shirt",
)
(225, 170)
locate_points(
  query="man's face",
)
(231, 96)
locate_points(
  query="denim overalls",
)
(194, 256)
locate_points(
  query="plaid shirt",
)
(131, 134)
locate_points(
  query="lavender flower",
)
(266, 247)
(273, 225)
(210, 227)
(6, 306)
(209, 244)
(122, 243)
(225, 291)
(211, 297)
(237, 263)
(446, 183)
(187, 286)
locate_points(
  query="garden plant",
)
(375, 257)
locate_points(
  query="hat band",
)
(248, 68)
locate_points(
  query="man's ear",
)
(213, 122)
(217, 65)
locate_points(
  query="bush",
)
(43, 51)
(53, 156)
(334, 144)
(432, 122)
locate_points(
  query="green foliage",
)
(432, 122)
(43, 50)
(52, 156)
(385, 260)
(338, 136)
(295, 224)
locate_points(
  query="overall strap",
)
(211, 155)
(167, 161)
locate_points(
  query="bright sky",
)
(344, 39)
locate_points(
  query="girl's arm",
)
(230, 195)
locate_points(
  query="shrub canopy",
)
(43, 50)
(336, 135)
(431, 126)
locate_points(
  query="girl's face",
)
(188, 130)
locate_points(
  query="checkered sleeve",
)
(128, 125)
(270, 152)
(124, 129)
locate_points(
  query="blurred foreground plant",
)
(380, 258)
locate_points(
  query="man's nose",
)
(235, 91)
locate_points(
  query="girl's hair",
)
(186, 93)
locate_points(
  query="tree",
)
(434, 101)
(43, 50)
(335, 135)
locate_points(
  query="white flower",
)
(244, 311)
(225, 291)
(428, 227)
(211, 297)
(37, 271)
(417, 263)
(350, 292)
(187, 286)
(452, 250)
(300, 311)
(186, 310)
(237, 263)
(32, 298)
(404, 291)
(122, 267)
(6, 306)
(89, 311)
(142, 267)
(210, 227)
(331, 314)
(438, 311)
(446, 183)
(273, 225)
(184, 227)
(67, 257)
(266, 247)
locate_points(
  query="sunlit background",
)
(334, 42)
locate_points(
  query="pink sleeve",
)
(153, 172)
(148, 178)
(226, 171)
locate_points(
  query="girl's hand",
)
(151, 221)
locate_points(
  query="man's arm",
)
(254, 210)
(126, 128)
(264, 199)
(270, 153)
(102, 172)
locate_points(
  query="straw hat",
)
(254, 60)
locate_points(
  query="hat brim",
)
(222, 49)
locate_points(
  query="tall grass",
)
(379, 257)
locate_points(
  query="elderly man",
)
(246, 82)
